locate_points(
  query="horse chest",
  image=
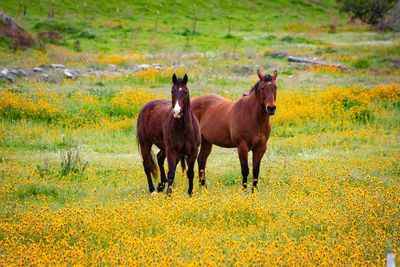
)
(258, 140)
(179, 141)
(254, 137)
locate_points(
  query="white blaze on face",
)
(177, 110)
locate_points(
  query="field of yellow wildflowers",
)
(329, 191)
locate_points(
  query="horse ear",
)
(275, 75)
(174, 80)
(185, 79)
(260, 75)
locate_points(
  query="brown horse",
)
(243, 124)
(174, 129)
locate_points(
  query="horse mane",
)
(267, 78)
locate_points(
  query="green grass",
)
(135, 24)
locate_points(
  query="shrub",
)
(54, 25)
(368, 11)
(6, 42)
(71, 161)
(361, 64)
(52, 37)
(302, 40)
(362, 114)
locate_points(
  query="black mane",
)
(267, 78)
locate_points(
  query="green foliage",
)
(287, 72)
(87, 35)
(56, 25)
(187, 32)
(301, 40)
(270, 38)
(31, 190)
(362, 114)
(361, 63)
(6, 42)
(71, 161)
(230, 179)
(325, 50)
(229, 36)
(44, 170)
(368, 11)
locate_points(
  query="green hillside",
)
(116, 26)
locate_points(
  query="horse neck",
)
(185, 122)
(255, 108)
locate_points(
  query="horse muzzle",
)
(177, 115)
(177, 111)
(271, 110)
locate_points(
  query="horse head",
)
(267, 91)
(180, 96)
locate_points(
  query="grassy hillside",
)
(132, 25)
(261, 36)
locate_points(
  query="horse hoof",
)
(160, 187)
(153, 193)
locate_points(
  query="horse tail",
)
(140, 139)
(183, 163)
(153, 167)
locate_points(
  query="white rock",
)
(15, 72)
(4, 72)
(68, 74)
(57, 66)
(144, 66)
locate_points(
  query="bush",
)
(361, 64)
(368, 11)
(6, 42)
(71, 161)
(54, 25)
(362, 114)
(301, 40)
(52, 37)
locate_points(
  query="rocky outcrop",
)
(11, 30)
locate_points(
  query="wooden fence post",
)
(155, 26)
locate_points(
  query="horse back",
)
(214, 115)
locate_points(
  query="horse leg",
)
(191, 159)
(160, 160)
(148, 163)
(243, 152)
(205, 151)
(258, 153)
(172, 159)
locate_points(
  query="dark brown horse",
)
(174, 129)
(243, 124)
